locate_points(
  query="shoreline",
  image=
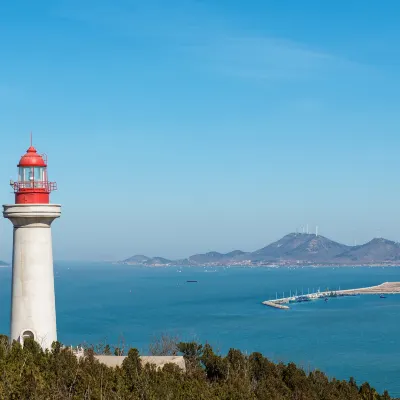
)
(274, 266)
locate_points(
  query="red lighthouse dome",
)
(32, 159)
(33, 186)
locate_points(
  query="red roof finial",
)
(31, 138)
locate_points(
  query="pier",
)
(275, 304)
(383, 288)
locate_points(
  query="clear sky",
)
(176, 127)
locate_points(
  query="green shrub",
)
(28, 372)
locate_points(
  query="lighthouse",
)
(33, 311)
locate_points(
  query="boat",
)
(191, 281)
(382, 296)
(326, 299)
(301, 299)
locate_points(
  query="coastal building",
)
(33, 311)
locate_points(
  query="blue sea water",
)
(350, 336)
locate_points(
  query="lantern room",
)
(33, 186)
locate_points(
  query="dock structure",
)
(383, 288)
(275, 305)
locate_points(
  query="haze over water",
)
(351, 336)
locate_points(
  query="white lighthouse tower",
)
(33, 311)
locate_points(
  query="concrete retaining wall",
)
(158, 361)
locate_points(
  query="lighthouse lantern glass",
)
(32, 176)
(39, 174)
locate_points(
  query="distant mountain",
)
(212, 256)
(294, 248)
(281, 247)
(138, 259)
(159, 261)
(377, 250)
(3, 264)
(300, 246)
(235, 253)
(143, 260)
(316, 248)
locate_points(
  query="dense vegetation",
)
(30, 373)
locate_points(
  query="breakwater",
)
(382, 289)
(275, 305)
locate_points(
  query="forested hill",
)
(30, 373)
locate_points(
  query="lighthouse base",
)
(33, 312)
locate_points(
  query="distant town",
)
(300, 249)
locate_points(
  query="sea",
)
(132, 305)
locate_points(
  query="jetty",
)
(383, 288)
(276, 305)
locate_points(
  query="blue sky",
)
(187, 126)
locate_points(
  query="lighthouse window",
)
(39, 176)
(21, 174)
(30, 175)
(26, 176)
(38, 172)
